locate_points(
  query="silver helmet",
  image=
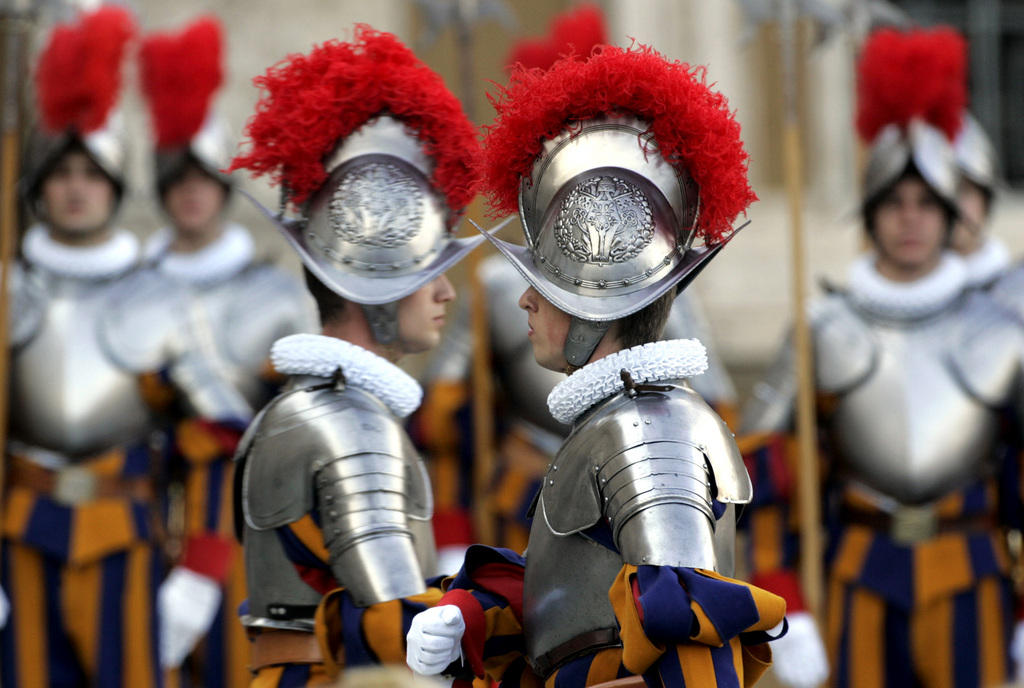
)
(107, 147)
(377, 230)
(609, 224)
(609, 227)
(77, 84)
(181, 73)
(209, 149)
(381, 177)
(919, 147)
(976, 156)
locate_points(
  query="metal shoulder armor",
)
(340, 451)
(284, 308)
(988, 350)
(652, 464)
(845, 351)
(148, 327)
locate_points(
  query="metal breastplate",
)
(340, 451)
(923, 421)
(236, 321)
(646, 465)
(67, 393)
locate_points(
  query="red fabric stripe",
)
(785, 584)
(505, 580)
(453, 527)
(209, 555)
(476, 627)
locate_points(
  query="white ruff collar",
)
(222, 259)
(906, 300)
(319, 355)
(114, 256)
(653, 362)
(988, 262)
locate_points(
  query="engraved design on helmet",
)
(376, 205)
(604, 220)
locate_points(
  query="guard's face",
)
(548, 329)
(194, 202)
(421, 316)
(910, 225)
(969, 231)
(77, 198)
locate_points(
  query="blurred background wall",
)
(746, 291)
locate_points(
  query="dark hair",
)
(646, 325)
(329, 305)
(35, 180)
(871, 205)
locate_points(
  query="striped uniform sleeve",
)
(488, 590)
(205, 449)
(682, 626)
(442, 428)
(770, 519)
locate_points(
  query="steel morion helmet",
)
(627, 172)
(911, 93)
(78, 81)
(976, 156)
(180, 74)
(377, 156)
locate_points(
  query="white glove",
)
(799, 658)
(1017, 651)
(5, 608)
(435, 639)
(187, 603)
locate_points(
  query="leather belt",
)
(583, 644)
(77, 484)
(912, 524)
(270, 647)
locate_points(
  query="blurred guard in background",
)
(914, 373)
(377, 155)
(98, 347)
(239, 304)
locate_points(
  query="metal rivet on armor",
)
(601, 284)
(647, 421)
(551, 482)
(577, 281)
(643, 558)
(543, 259)
(332, 514)
(346, 260)
(668, 259)
(371, 268)
(554, 468)
(557, 270)
(649, 272)
(337, 532)
(636, 423)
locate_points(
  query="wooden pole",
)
(809, 504)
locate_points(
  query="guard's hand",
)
(1017, 651)
(187, 603)
(435, 639)
(799, 659)
(5, 608)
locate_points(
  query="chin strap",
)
(383, 321)
(583, 338)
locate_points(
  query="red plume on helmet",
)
(78, 76)
(903, 75)
(180, 72)
(691, 124)
(310, 102)
(575, 32)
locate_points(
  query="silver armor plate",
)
(70, 395)
(234, 340)
(925, 418)
(340, 450)
(650, 466)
